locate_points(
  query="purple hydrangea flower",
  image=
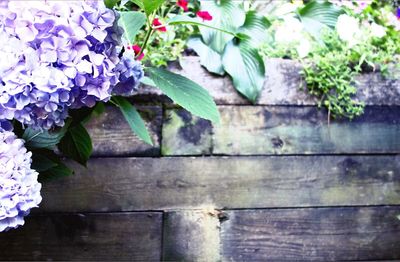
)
(5, 126)
(130, 73)
(398, 13)
(56, 55)
(20, 189)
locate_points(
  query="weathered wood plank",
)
(127, 184)
(112, 135)
(266, 130)
(323, 234)
(191, 235)
(304, 130)
(185, 134)
(80, 237)
(282, 85)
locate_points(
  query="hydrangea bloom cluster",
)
(19, 187)
(56, 55)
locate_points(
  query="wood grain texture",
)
(250, 130)
(127, 184)
(323, 234)
(85, 237)
(282, 85)
(191, 235)
(112, 136)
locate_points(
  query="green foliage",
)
(36, 138)
(76, 144)
(329, 77)
(186, 93)
(131, 22)
(236, 55)
(133, 118)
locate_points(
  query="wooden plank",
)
(191, 235)
(282, 85)
(323, 234)
(112, 136)
(250, 130)
(127, 184)
(185, 134)
(80, 237)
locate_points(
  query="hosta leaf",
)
(186, 93)
(133, 118)
(228, 15)
(208, 57)
(246, 67)
(255, 27)
(319, 14)
(131, 22)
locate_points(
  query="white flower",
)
(290, 31)
(348, 29)
(377, 30)
(303, 48)
(19, 188)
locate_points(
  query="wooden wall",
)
(273, 181)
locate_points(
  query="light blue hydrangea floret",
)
(57, 55)
(19, 187)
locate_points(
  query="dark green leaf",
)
(317, 15)
(41, 163)
(133, 118)
(246, 67)
(151, 5)
(131, 22)
(61, 170)
(110, 3)
(255, 27)
(208, 57)
(49, 165)
(43, 139)
(77, 144)
(228, 15)
(186, 93)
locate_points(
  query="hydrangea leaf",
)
(131, 22)
(227, 15)
(35, 138)
(208, 57)
(186, 93)
(246, 67)
(77, 144)
(133, 118)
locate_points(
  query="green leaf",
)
(147, 81)
(149, 6)
(77, 144)
(58, 171)
(186, 93)
(255, 27)
(110, 3)
(184, 19)
(227, 15)
(317, 15)
(133, 118)
(246, 67)
(41, 163)
(131, 22)
(208, 57)
(43, 139)
(49, 165)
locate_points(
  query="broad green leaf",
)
(139, 3)
(61, 170)
(317, 15)
(227, 15)
(110, 3)
(151, 5)
(131, 22)
(77, 144)
(133, 118)
(208, 57)
(186, 93)
(255, 27)
(184, 19)
(42, 138)
(41, 163)
(246, 67)
(49, 165)
(147, 81)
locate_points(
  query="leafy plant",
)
(236, 55)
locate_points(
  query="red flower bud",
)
(204, 15)
(158, 24)
(183, 4)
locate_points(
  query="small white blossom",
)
(348, 29)
(377, 30)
